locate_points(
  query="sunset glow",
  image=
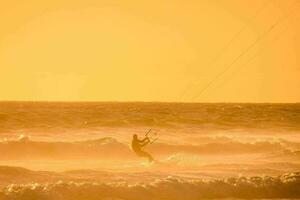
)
(149, 51)
(149, 100)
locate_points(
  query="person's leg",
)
(147, 155)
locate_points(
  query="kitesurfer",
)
(137, 146)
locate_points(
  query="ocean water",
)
(54, 150)
(46, 117)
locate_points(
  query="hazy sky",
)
(93, 50)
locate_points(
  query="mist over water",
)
(84, 145)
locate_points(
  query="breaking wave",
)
(26, 149)
(284, 186)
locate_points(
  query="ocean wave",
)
(173, 188)
(24, 148)
(232, 147)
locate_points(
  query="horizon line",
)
(170, 102)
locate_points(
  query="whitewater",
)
(71, 150)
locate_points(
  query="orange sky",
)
(92, 50)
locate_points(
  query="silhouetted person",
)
(137, 147)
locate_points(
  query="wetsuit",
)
(137, 148)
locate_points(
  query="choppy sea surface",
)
(55, 150)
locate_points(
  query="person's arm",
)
(145, 143)
(144, 140)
